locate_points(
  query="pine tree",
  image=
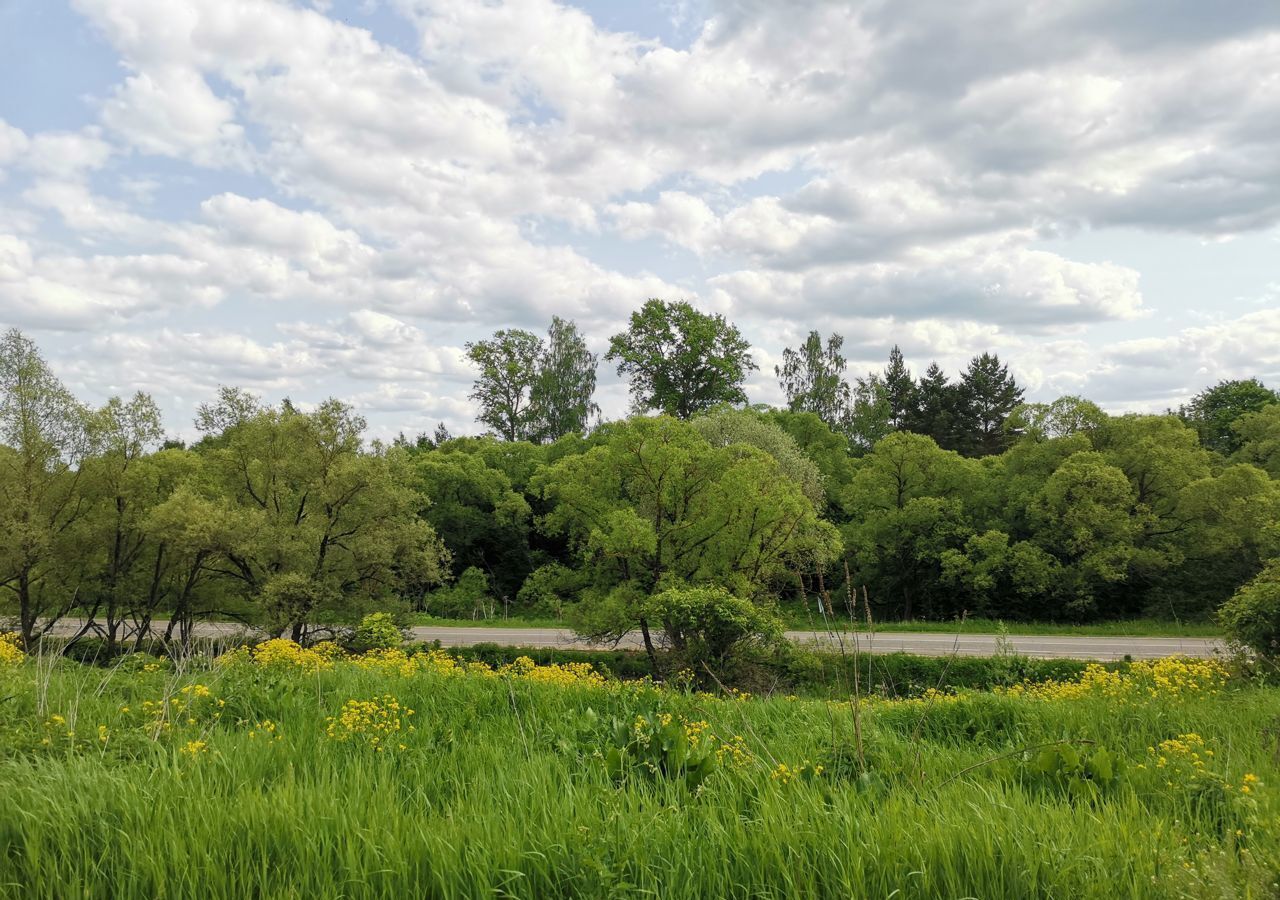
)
(900, 389)
(987, 394)
(936, 408)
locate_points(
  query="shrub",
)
(376, 631)
(710, 625)
(1251, 618)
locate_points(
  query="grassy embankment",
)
(297, 775)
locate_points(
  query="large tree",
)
(508, 364)
(936, 408)
(681, 361)
(561, 396)
(1214, 411)
(812, 378)
(44, 438)
(900, 390)
(656, 506)
(988, 394)
(325, 526)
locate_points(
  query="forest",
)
(926, 496)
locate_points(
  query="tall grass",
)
(499, 791)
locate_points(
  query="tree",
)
(314, 505)
(1214, 411)
(936, 408)
(655, 506)
(561, 396)
(680, 361)
(906, 508)
(1259, 437)
(871, 416)
(726, 427)
(508, 364)
(900, 390)
(708, 626)
(988, 394)
(125, 486)
(1083, 518)
(1251, 618)
(44, 437)
(812, 378)
(1063, 417)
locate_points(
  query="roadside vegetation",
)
(286, 771)
(703, 523)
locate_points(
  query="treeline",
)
(695, 516)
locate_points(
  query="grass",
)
(799, 620)
(521, 785)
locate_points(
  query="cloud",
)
(272, 192)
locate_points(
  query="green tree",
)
(999, 578)
(871, 416)
(124, 486)
(314, 505)
(812, 378)
(44, 438)
(1251, 618)
(504, 389)
(1083, 518)
(1258, 434)
(681, 362)
(725, 427)
(936, 409)
(1063, 417)
(708, 626)
(900, 391)
(561, 396)
(1214, 411)
(654, 505)
(906, 508)
(987, 395)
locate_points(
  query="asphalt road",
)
(922, 643)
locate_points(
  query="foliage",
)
(710, 626)
(987, 395)
(1214, 411)
(680, 361)
(377, 631)
(812, 379)
(561, 396)
(1251, 618)
(508, 364)
(725, 427)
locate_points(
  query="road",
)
(921, 643)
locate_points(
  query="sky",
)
(331, 198)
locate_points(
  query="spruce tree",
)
(987, 394)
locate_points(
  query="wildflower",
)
(10, 653)
(194, 748)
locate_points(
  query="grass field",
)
(799, 620)
(295, 773)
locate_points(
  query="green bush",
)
(377, 631)
(1251, 618)
(710, 625)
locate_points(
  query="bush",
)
(376, 631)
(1251, 618)
(710, 625)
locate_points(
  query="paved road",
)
(925, 644)
(922, 643)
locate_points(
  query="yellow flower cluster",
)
(266, 730)
(562, 674)
(1185, 750)
(10, 653)
(194, 748)
(280, 653)
(734, 753)
(372, 722)
(785, 774)
(1170, 678)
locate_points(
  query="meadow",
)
(288, 772)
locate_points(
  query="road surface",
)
(921, 643)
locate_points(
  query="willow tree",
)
(655, 506)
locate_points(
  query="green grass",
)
(502, 789)
(798, 620)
